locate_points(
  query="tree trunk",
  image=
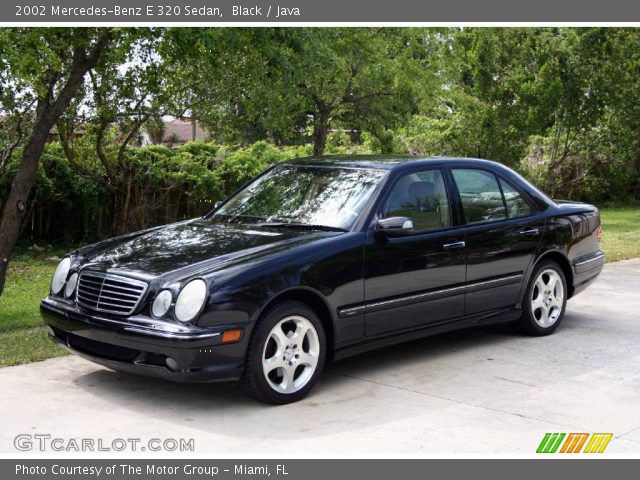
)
(15, 208)
(167, 204)
(320, 128)
(176, 211)
(114, 215)
(40, 222)
(98, 231)
(48, 111)
(125, 211)
(26, 219)
(123, 202)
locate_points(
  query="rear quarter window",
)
(480, 194)
(517, 205)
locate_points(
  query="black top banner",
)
(307, 11)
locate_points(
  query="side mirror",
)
(395, 226)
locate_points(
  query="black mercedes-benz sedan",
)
(320, 258)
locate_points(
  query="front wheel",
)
(286, 354)
(545, 300)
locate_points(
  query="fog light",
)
(171, 363)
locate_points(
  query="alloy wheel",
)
(290, 354)
(547, 298)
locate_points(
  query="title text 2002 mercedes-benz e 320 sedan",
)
(322, 258)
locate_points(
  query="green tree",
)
(45, 68)
(128, 89)
(155, 128)
(277, 82)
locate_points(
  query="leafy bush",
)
(78, 202)
(589, 168)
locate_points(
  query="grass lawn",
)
(620, 232)
(23, 337)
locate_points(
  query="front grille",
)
(108, 293)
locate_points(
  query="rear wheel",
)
(286, 354)
(545, 300)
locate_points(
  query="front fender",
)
(331, 270)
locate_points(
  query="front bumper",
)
(181, 354)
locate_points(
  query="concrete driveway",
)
(474, 391)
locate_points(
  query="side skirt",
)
(486, 318)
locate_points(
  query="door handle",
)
(454, 245)
(530, 233)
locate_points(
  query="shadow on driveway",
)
(343, 399)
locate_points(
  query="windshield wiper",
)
(306, 226)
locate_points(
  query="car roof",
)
(383, 162)
(400, 163)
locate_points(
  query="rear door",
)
(415, 280)
(502, 234)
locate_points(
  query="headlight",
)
(190, 300)
(60, 275)
(162, 303)
(71, 285)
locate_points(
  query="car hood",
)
(193, 244)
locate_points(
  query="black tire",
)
(254, 380)
(529, 322)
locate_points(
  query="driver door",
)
(418, 279)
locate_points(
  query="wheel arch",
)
(316, 301)
(563, 262)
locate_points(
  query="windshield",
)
(302, 195)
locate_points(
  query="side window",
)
(422, 197)
(517, 206)
(480, 194)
